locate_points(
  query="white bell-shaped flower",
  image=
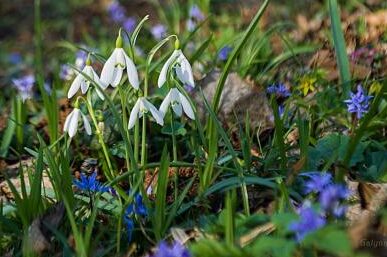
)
(83, 83)
(182, 67)
(141, 107)
(178, 102)
(115, 65)
(71, 123)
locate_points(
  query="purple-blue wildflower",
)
(317, 182)
(174, 250)
(158, 31)
(24, 85)
(331, 197)
(80, 59)
(66, 72)
(224, 52)
(280, 90)
(116, 12)
(191, 25)
(309, 221)
(90, 184)
(358, 102)
(137, 207)
(129, 24)
(195, 13)
(15, 58)
(129, 223)
(195, 16)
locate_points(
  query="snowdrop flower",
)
(143, 106)
(112, 70)
(82, 82)
(182, 68)
(71, 123)
(178, 102)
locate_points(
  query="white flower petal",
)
(164, 105)
(67, 122)
(187, 107)
(163, 74)
(86, 124)
(177, 109)
(132, 72)
(120, 57)
(73, 123)
(184, 72)
(134, 114)
(75, 86)
(175, 101)
(84, 86)
(108, 69)
(117, 76)
(155, 113)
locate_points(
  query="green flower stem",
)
(136, 140)
(125, 122)
(174, 144)
(143, 139)
(99, 134)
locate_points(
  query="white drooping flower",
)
(182, 68)
(115, 65)
(71, 123)
(141, 107)
(82, 82)
(178, 102)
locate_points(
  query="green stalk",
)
(124, 122)
(50, 105)
(136, 140)
(340, 48)
(20, 120)
(143, 139)
(99, 134)
(174, 145)
(212, 134)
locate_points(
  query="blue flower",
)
(158, 31)
(309, 221)
(116, 12)
(80, 59)
(66, 73)
(15, 58)
(317, 182)
(174, 250)
(137, 207)
(280, 90)
(129, 226)
(24, 85)
(358, 103)
(224, 52)
(196, 13)
(331, 197)
(90, 183)
(129, 24)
